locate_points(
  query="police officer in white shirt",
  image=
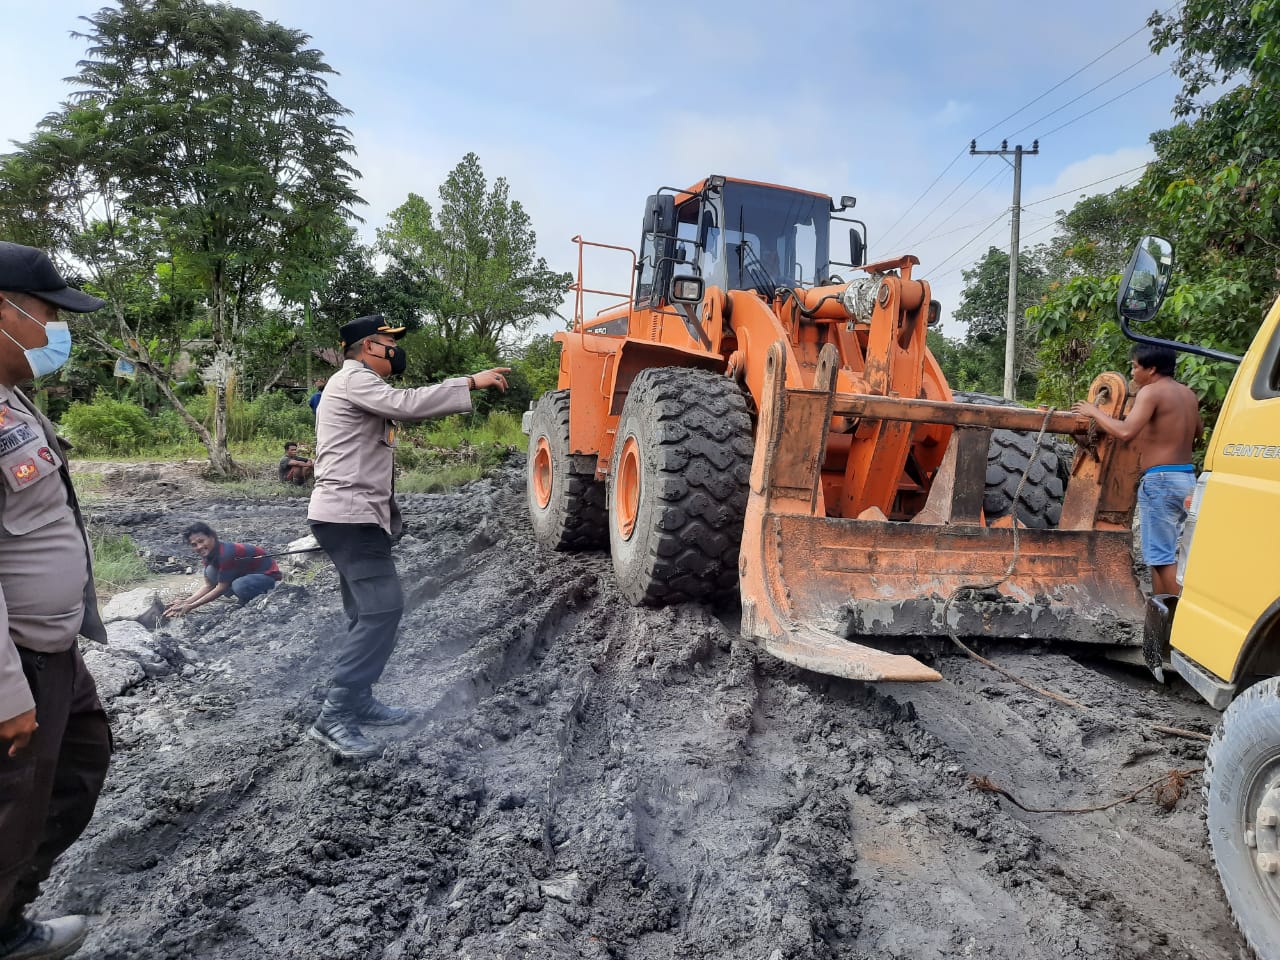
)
(353, 514)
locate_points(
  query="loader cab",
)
(738, 235)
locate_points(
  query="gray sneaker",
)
(46, 940)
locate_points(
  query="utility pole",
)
(1011, 322)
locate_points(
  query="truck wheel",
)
(677, 488)
(1242, 787)
(1040, 505)
(565, 505)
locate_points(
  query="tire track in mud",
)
(588, 779)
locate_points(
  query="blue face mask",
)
(49, 358)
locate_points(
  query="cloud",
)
(1099, 173)
(952, 112)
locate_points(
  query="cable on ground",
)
(1166, 791)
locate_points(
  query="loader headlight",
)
(686, 289)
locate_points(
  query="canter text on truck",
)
(1255, 450)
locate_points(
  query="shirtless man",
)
(1163, 426)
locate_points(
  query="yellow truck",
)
(1222, 635)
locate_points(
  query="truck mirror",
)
(857, 248)
(1146, 280)
(660, 214)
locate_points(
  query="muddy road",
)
(586, 779)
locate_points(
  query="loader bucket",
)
(813, 584)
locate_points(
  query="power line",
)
(1105, 103)
(936, 180)
(1086, 186)
(1071, 77)
(1000, 216)
(1003, 171)
(948, 233)
(1064, 106)
(1083, 186)
(926, 217)
(1041, 229)
(917, 200)
(970, 263)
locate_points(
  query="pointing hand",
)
(495, 377)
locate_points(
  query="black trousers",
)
(49, 790)
(371, 597)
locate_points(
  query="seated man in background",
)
(244, 570)
(295, 468)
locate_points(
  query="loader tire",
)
(1242, 762)
(1040, 505)
(677, 490)
(566, 504)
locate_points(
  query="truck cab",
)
(1227, 627)
(1222, 635)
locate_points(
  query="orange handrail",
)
(579, 289)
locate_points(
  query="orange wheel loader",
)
(753, 418)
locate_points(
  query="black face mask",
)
(396, 357)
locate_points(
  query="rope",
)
(1166, 791)
(976, 588)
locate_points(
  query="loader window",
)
(775, 237)
(658, 255)
(652, 250)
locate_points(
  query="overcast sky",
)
(586, 106)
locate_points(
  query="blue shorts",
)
(1162, 497)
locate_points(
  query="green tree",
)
(976, 360)
(200, 160)
(472, 262)
(1095, 234)
(1213, 188)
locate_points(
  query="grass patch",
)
(116, 563)
(439, 479)
(90, 488)
(434, 456)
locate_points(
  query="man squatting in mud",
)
(353, 514)
(241, 569)
(1163, 426)
(54, 741)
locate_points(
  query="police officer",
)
(354, 515)
(54, 740)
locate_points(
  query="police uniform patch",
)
(14, 436)
(24, 472)
(44, 453)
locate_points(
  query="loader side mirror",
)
(1145, 280)
(660, 214)
(686, 289)
(857, 248)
